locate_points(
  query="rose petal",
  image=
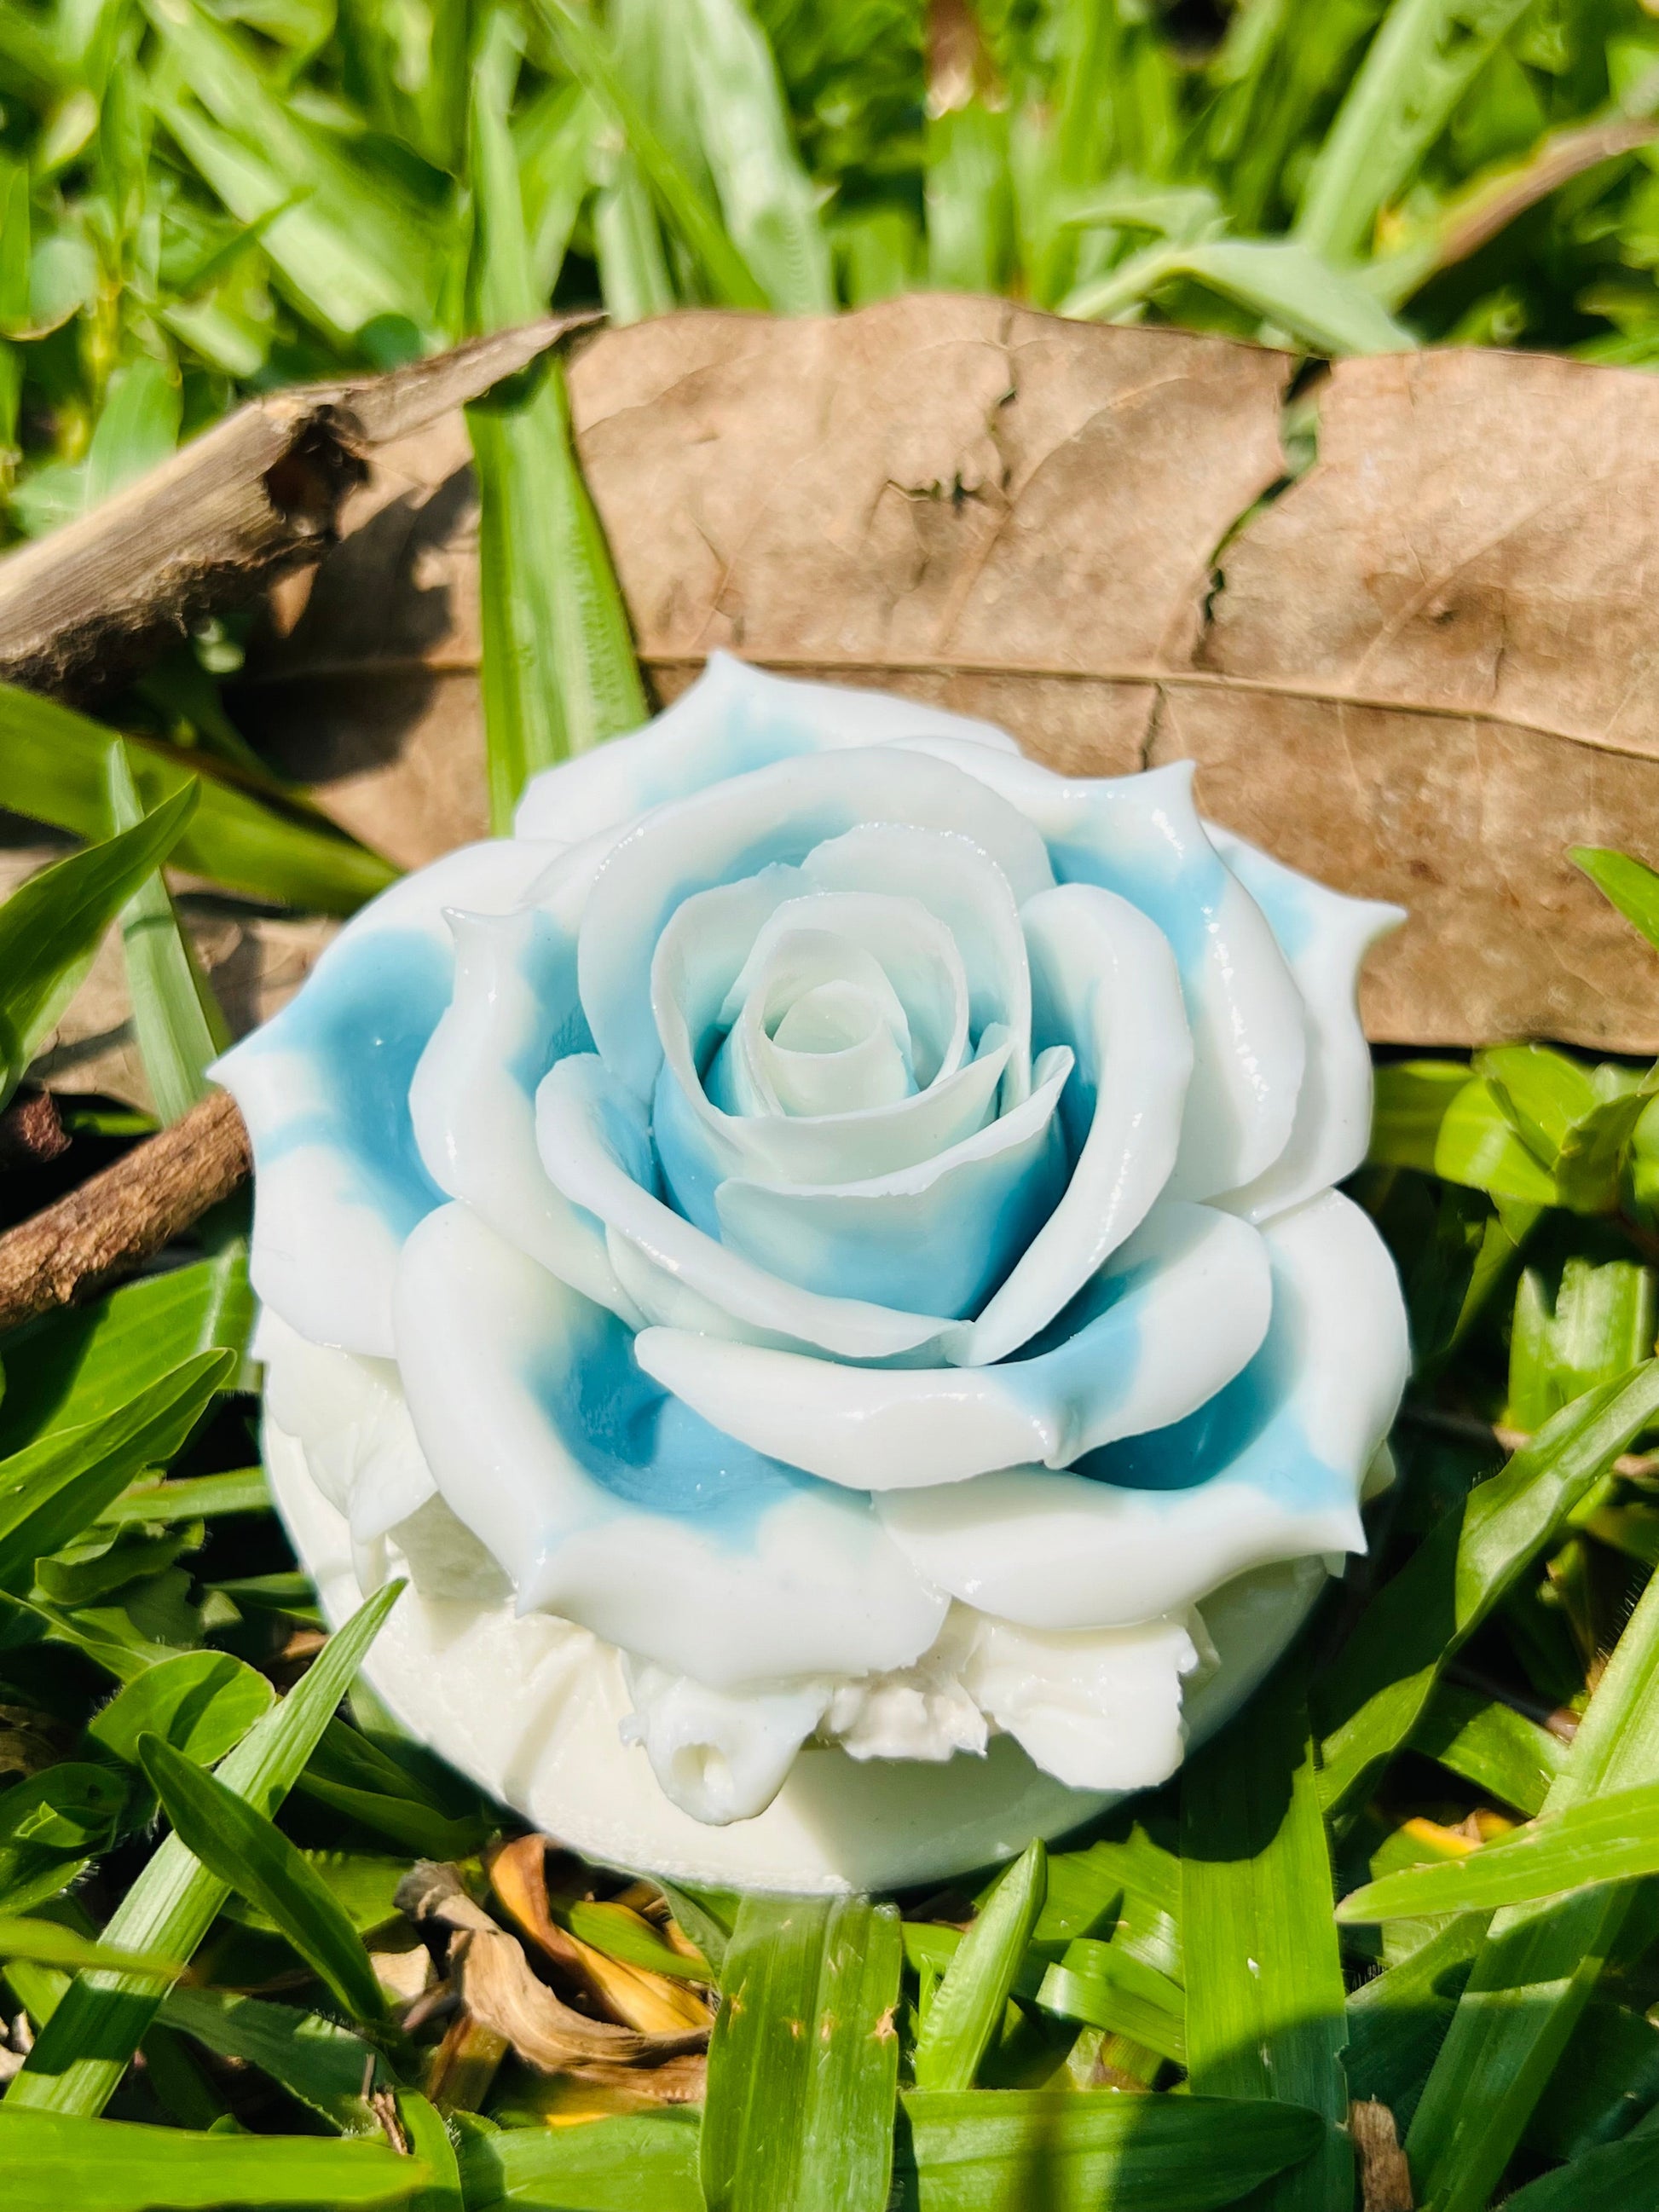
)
(1325, 938)
(1103, 981)
(734, 718)
(513, 1012)
(1270, 1469)
(947, 1232)
(1140, 837)
(596, 1146)
(1174, 1315)
(610, 1503)
(324, 1088)
(775, 814)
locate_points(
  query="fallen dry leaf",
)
(498, 1989)
(501, 1997)
(637, 1997)
(1421, 670)
(1385, 2178)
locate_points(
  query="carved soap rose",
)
(845, 1216)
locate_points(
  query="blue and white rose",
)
(853, 1215)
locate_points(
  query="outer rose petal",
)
(1292, 1438)
(1173, 1316)
(324, 1088)
(734, 718)
(1325, 938)
(609, 1504)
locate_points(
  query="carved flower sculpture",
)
(845, 1215)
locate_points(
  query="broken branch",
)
(116, 1220)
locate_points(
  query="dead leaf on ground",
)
(632, 1995)
(1421, 672)
(501, 1996)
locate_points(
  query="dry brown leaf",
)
(639, 1999)
(498, 1987)
(1423, 671)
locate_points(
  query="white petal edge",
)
(814, 1586)
(1140, 837)
(1197, 1314)
(1103, 979)
(1066, 1551)
(324, 1254)
(734, 718)
(1324, 936)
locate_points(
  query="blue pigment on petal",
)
(548, 965)
(1247, 1433)
(690, 1172)
(646, 1448)
(364, 1018)
(943, 1249)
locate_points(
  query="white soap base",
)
(529, 1709)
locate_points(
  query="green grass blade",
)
(252, 1856)
(202, 1704)
(51, 1491)
(1264, 1991)
(138, 427)
(803, 2067)
(47, 1943)
(1376, 1689)
(425, 1833)
(53, 2160)
(1539, 1963)
(52, 926)
(968, 2006)
(765, 194)
(1284, 283)
(1421, 62)
(349, 253)
(1104, 1989)
(639, 2163)
(428, 2141)
(316, 2060)
(179, 1024)
(621, 1935)
(202, 1496)
(730, 279)
(1631, 886)
(84, 1362)
(558, 673)
(86, 2046)
(1616, 1839)
(1504, 1754)
(1398, 2020)
(52, 768)
(1620, 2177)
(990, 2150)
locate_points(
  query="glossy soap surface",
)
(843, 1219)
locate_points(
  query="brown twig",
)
(30, 1131)
(116, 1220)
(1385, 2178)
(255, 495)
